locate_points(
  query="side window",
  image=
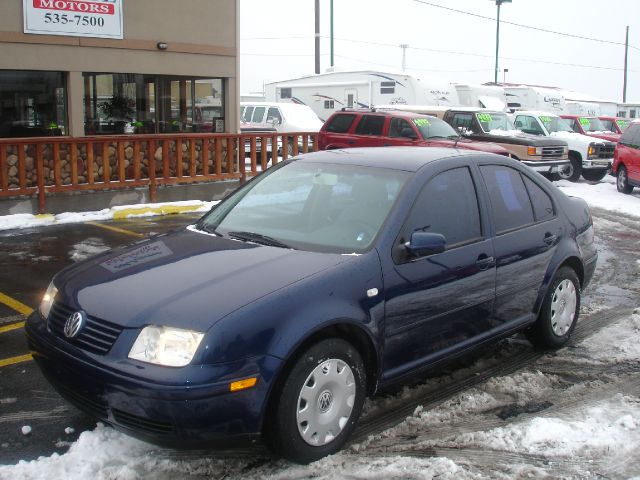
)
(397, 125)
(246, 116)
(258, 115)
(329, 104)
(528, 125)
(464, 120)
(509, 199)
(274, 113)
(631, 136)
(575, 126)
(340, 123)
(285, 92)
(370, 125)
(387, 88)
(448, 204)
(542, 204)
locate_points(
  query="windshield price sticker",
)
(76, 18)
(545, 119)
(622, 123)
(421, 122)
(484, 117)
(585, 122)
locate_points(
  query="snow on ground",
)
(603, 195)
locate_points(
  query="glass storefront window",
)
(136, 103)
(32, 104)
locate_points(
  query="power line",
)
(524, 26)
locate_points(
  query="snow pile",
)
(90, 247)
(603, 195)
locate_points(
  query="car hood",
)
(574, 138)
(610, 136)
(516, 137)
(187, 279)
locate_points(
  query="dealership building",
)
(103, 67)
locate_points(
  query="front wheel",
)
(594, 174)
(320, 401)
(559, 312)
(622, 181)
(572, 171)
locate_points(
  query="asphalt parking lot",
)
(29, 259)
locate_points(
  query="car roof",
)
(386, 111)
(409, 159)
(538, 113)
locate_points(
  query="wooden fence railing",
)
(48, 165)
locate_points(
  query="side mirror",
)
(423, 244)
(408, 133)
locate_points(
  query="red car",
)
(615, 124)
(626, 159)
(370, 128)
(592, 126)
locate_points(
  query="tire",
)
(552, 177)
(572, 172)
(622, 181)
(559, 313)
(594, 174)
(320, 402)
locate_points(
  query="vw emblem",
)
(74, 324)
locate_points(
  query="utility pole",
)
(404, 47)
(317, 36)
(498, 4)
(626, 61)
(331, 33)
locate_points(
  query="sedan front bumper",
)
(194, 413)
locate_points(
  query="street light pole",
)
(498, 4)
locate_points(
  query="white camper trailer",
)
(481, 96)
(584, 109)
(328, 92)
(535, 98)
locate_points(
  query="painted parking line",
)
(15, 304)
(13, 360)
(116, 229)
(13, 326)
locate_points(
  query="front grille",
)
(97, 336)
(607, 150)
(553, 152)
(135, 422)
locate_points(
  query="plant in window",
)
(118, 107)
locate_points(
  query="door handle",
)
(351, 142)
(484, 262)
(550, 239)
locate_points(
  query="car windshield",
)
(622, 124)
(555, 124)
(434, 127)
(494, 121)
(609, 124)
(592, 124)
(309, 206)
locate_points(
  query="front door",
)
(351, 97)
(435, 303)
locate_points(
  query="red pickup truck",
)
(370, 128)
(592, 126)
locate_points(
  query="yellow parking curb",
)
(12, 361)
(13, 326)
(15, 304)
(162, 210)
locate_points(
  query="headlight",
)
(170, 347)
(47, 300)
(592, 151)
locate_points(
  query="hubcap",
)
(622, 179)
(325, 402)
(566, 172)
(563, 307)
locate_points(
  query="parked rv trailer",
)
(481, 96)
(328, 92)
(534, 98)
(583, 109)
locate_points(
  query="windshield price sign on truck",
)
(78, 18)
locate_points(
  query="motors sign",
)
(77, 18)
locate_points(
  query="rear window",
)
(340, 123)
(370, 125)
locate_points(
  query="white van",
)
(284, 117)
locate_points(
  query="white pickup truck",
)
(589, 156)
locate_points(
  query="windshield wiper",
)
(258, 238)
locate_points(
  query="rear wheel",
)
(320, 401)
(559, 311)
(594, 174)
(622, 182)
(572, 171)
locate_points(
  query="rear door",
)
(369, 132)
(527, 232)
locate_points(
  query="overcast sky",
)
(277, 41)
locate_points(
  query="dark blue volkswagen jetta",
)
(319, 282)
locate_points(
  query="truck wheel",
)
(572, 172)
(559, 312)
(622, 182)
(320, 401)
(594, 174)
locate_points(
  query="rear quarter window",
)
(340, 123)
